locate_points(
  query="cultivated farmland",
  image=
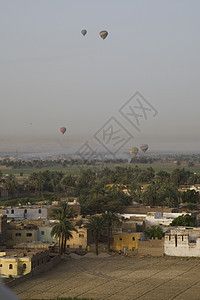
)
(117, 278)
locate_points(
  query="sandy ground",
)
(117, 278)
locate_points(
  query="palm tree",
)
(10, 184)
(62, 228)
(96, 224)
(110, 219)
(36, 181)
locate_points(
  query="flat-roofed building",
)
(20, 233)
(182, 241)
(16, 263)
(125, 241)
(30, 213)
(79, 239)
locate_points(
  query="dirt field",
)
(117, 278)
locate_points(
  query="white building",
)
(30, 213)
(164, 219)
(195, 188)
(182, 241)
(155, 218)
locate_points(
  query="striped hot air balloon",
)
(103, 34)
(133, 151)
(144, 147)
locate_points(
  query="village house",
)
(154, 218)
(75, 205)
(44, 234)
(20, 233)
(130, 224)
(182, 241)
(72, 203)
(184, 188)
(16, 263)
(125, 242)
(79, 239)
(30, 213)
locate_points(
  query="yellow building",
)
(18, 234)
(19, 262)
(79, 239)
(14, 266)
(125, 241)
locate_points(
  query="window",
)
(81, 235)
(18, 234)
(169, 237)
(80, 246)
(182, 238)
(68, 246)
(29, 234)
(39, 211)
(25, 211)
(176, 240)
(12, 211)
(120, 239)
(0, 265)
(24, 266)
(42, 232)
(10, 266)
(133, 238)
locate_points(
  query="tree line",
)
(110, 189)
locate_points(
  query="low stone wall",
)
(36, 271)
(144, 209)
(151, 247)
(102, 247)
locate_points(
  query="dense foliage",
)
(106, 189)
(154, 232)
(185, 220)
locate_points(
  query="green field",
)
(76, 169)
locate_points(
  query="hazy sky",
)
(52, 76)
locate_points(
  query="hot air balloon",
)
(144, 147)
(63, 129)
(84, 31)
(103, 34)
(134, 151)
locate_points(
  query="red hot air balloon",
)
(63, 129)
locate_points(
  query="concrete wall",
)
(151, 247)
(181, 245)
(145, 209)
